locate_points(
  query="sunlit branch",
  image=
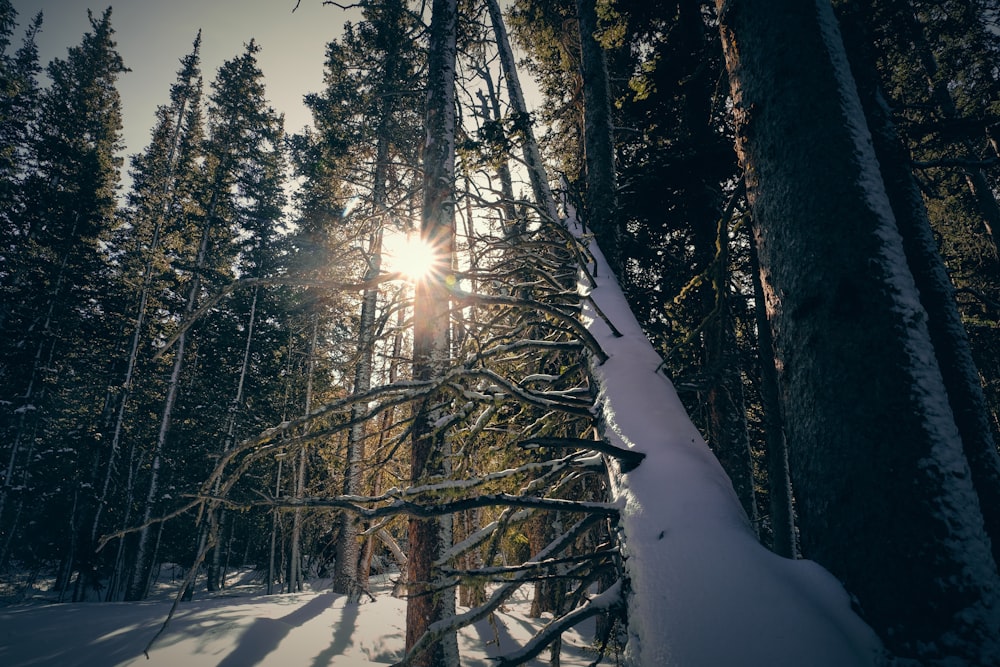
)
(567, 319)
(498, 597)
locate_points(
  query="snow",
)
(703, 590)
(242, 627)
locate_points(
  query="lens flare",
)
(411, 256)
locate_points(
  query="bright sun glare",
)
(409, 255)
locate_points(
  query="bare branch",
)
(569, 319)
(403, 507)
(630, 460)
(499, 596)
(610, 599)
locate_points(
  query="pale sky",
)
(153, 35)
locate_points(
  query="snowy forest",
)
(701, 348)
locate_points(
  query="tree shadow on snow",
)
(495, 638)
(265, 634)
(342, 636)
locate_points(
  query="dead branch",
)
(630, 459)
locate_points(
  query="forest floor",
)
(242, 627)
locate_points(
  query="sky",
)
(153, 35)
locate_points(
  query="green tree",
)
(160, 203)
(58, 332)
(18, 110)
(239, 164)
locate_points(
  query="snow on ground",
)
(241, 627)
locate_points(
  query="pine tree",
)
(161, 201)
(18, 110)
(384, 47)
(243, 135)
(58, 330)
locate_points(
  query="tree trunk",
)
(139, 585)
(532, 156)
(779, 483)
(727, 417)
(490, 111)
(345, 577)
(881, 478)
(602, 205)
(294, 577)
(937, 294)
(271, 569)
(429, 538)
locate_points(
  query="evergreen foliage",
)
(222, 366)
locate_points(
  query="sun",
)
(410, 255)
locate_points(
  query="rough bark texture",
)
(428, 538)
(937, 294)
(881, 479)
(779, 483)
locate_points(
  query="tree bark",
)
(779, 481)
(881, 477)
(598, 133)
(429, 538)
(937, 294)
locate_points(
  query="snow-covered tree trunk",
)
(430, 538)
(880, 475)
(937, 295)
(692, 563)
